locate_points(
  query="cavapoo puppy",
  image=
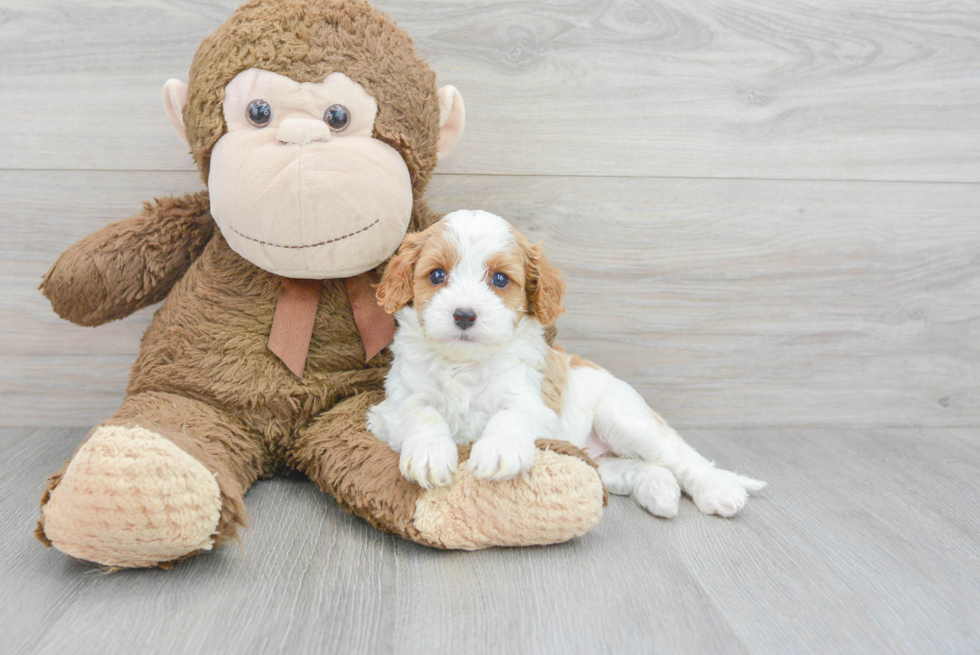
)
(472, 298)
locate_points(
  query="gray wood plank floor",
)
(865, 541)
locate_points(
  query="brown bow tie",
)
(292, 324)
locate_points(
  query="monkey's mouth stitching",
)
(311, 245)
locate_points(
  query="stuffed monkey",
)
(316, 128)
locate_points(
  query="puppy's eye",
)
(437, 276)
(337, 117)
(500, 280)
(259, 113)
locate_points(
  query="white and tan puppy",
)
(473, 298)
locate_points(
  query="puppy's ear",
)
(396, 287)
(545, 287)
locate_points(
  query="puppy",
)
(473, 298)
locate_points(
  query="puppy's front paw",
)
(722, 492)
(500, 457)
(429, 461)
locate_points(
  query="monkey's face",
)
(298, 185)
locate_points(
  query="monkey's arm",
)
(128, 265)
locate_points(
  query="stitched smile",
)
(311, 245)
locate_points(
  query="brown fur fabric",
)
(204, 377)
(129, 265)
(307, 41)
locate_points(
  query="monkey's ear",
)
(452, 119)
(174, 101)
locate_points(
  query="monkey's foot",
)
(132, 498)
(561, 497)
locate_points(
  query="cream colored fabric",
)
(174, 101)
(560, 498)
(132, 498)
(452, 119)
(297, 198)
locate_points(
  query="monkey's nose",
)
(464, 318)
(297, 131)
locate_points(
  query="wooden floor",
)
(769, 216)
(865, 541)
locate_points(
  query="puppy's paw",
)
(656, 489)
(722, 492)
(499, 457)
(723, 499)
(429, 460)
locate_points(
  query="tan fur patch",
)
(438, 251)
(513, 264)
(555, 379)
(544, 287)
(577, 361)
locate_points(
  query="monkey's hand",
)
(128, 265)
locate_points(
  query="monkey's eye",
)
(499, 280)
(437, 276)
(337, 117)
(259, 113)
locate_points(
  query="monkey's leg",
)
(161, 480)
(561, 497)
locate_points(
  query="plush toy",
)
(316, 128)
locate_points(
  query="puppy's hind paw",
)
(722, 492)
(429, 461)
(723, 499)
(656, 490)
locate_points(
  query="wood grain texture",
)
(804, 89)
(808, 296)
(865, 541)
(726, 302)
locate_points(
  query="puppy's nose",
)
(465, 318)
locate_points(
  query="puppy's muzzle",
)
(464, 318)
